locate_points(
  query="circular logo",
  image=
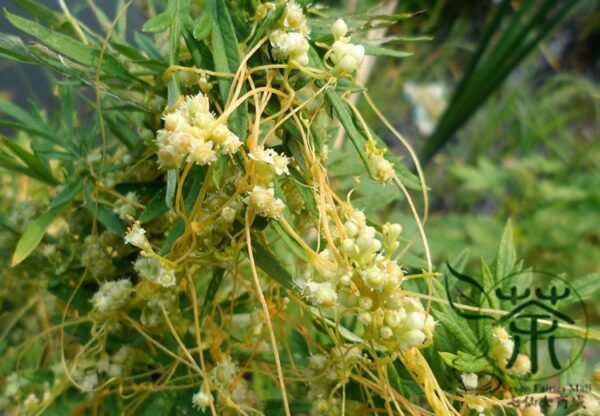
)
(533, 313)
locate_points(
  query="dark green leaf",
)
(159, 23)
(34, 233)
(226, 56)
(31, 160)
(203, 27)
(211, 292)
(103, 214)
(155, 208)
(269, 264)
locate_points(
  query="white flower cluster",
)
(370, 283)
(263, 202)
(262, 197)
(345, 56)
(192, 133)
(231, 389)
(113, 366)
(111, 296)
(86, 379)
(329, 370)
(268, 161)
(150, 269)
(381, 168)
(503, 348)
(290, 40)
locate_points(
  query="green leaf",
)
(226, 55)
(41, 12)
(103, 214)
(159, 23)
(34, 233)
(70, 47)
(289, 242)
(32, 161)
(211, 292)
(383, 51)
(12, 47)
(67, 193)
(171, 187)
(16, 112)
(507, 254)
(345, 116)
(467, 363)
(155, 208)
(269, 264)
(202, 27)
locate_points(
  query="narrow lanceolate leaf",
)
(34, 163)
(507, 255)
(171, 187)
(343, 113)
(34, 233)
(203, 27)
(226, 56)
(269, 264)
(155, 208)
(12, 47)
(211, 292)
(70, 47)
(103, 214)
(159, 23)
(375, 50)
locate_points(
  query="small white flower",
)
(231, 144)
(220, 134)
(263, 201)
(166, 277)
(31, 401)
(280, 163)
(136, 236)
(224, 372)
(260, 154)
(174, 121)
(322, 294)
(347, 57)
(197, 104)
(201, 399)
(202, 153)
(228, 215)
(382, 169)
(89, 381)
(111, 296)
(470, 380)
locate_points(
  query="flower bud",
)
(339, 29)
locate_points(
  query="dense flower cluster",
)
(290, 40)
(192, 133)
(268, 164)
(345, 56)
(365, 281)
(111, 296)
